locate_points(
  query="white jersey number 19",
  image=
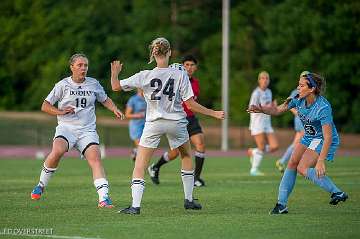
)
(80, 102)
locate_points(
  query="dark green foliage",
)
(283, 37)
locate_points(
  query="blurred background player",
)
(260, 125)
(164, 91)
(319, 143)
(76, 97)
(135, 111)
(299, 132)
(194, 129)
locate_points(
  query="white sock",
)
(188, 183)
(166, 156)
(137, 190)
(102, 188)
(257, 158)
(45, 175)
(267, 148)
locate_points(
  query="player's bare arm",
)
(272, 109)
(196, 107)
(109, 104)
(130, 115)
(52, 110)
(320, 165)
(116, 68)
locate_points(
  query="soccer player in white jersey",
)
(319, 143)
(260, 125)
(164, 89)
(76, 96)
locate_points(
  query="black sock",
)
(160, 163)
(199, 162)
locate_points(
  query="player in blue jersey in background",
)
(319, 143)
(299, 129)
(135, 111)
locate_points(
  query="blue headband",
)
(311, 81)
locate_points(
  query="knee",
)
(172, 154)
(302, 170)
(200, 147)
(292, 164)
(57, 153)
(94, 161)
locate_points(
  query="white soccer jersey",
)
(81, 96)
(164, 90)
(260, 97)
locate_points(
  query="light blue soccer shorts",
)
(136, 130)
(317, 144)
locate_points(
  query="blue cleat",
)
(36, 192)
(107, 203)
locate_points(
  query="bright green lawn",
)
(235, 205)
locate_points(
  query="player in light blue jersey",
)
(135, 111)
(299, 132)
(319, 143)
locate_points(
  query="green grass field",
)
(235, 205)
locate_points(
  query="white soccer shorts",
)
(175, 131)
(261, 127)
(77, 139)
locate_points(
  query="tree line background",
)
(283, 37)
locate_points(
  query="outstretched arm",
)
(196, 107)
(272, 109)
(116, 68)
(52, 110)
(109, 104)
(294, 111)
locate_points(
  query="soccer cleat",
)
(256, 172)
(36, 192)
(280, 166)
(338, 197)
(192, 205)
(130, 210)
(107, 203)
(250, 154)
(154, 174)
(199, 182)
(279, 209)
